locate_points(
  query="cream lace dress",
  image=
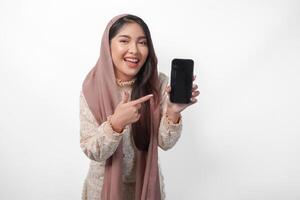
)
(99, 142)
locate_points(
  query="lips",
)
(131, 62)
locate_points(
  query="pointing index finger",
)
(142, 99)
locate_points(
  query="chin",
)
(131, 75)
(132, 72)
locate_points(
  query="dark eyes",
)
(123, 41)
(143, 43)
(140, 42)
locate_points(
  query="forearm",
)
(98, 142)
(169, 132)
(173, 116)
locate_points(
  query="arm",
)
(97, 142)
(169, 132)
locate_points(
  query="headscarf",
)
(100, 91)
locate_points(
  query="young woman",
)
(125, 115)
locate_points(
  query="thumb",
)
(168, 89)
(125, 97)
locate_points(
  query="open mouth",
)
(132, 62)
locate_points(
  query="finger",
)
(194, 77)
(142, 99)
(135, 111)
(125, 97)
(137, 117)
(195, 93)
(138, 106)
(193, 100)
(168, 89)
(195, 86)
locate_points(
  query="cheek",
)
(116, 58)
(117, 51)
(145, 53)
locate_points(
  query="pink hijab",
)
(100, 91)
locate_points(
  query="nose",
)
(133, 49)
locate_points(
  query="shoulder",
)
(163, 80)
(82, 102)
(82, 98)
(163, 83)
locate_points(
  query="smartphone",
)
(181, 80)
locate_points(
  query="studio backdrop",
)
(239, 142)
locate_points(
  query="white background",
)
(241, 140)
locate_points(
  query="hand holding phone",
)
(181, 80)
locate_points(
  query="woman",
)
(125, 114)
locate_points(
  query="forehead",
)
(132, 30)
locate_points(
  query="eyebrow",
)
(140, 37)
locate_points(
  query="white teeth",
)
(134, 60)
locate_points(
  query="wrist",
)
(115, 125)
(173, 116)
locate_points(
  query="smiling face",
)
(129, 51)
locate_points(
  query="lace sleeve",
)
(97, 142)
(169, 133)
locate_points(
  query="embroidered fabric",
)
(99, 142)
